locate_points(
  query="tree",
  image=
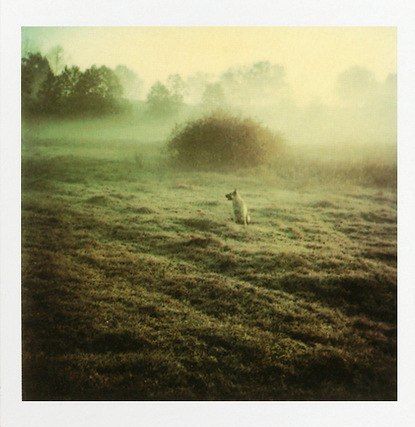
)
(257, 83)
(63, 91)
(69, 78)
(177, 87)
(56, 58)
(28, 46)
(35, 70)
(98, 90)
(130, 82)
(195, 86)
(161, 102)
(50, 94)
(213, 96)
(356, 85)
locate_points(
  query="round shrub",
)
(222, 142)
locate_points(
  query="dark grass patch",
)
(98, 200)
(377, 198)
(374, 296)
(335, 371)
(38, 184)
(322, 204)
(378, 218)
(202, 242)
(209, 203)
(140, 210)
(73, 169)
(382, 255)
(342, 215)
(293, 233)
(120, 196)
(182, 186)
(202, 224)
(281, 214)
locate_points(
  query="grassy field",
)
(137, 285)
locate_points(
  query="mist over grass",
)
(134, 135)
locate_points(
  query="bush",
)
(222, 142)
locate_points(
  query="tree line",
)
(52, 88)
(96, 90)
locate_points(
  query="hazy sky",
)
(313, 57)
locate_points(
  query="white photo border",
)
(18, 13)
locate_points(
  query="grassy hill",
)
(137, 285)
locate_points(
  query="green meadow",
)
(138, 285)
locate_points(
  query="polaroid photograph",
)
(212, 226)
(205, 217)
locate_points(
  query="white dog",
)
(240, 209)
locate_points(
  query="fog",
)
(364, 110)
(312, 98)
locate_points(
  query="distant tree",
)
(56, 58)
(356, 84)
(50, 94)
(258, 82)
(29, 46)
(98, 90)
(34, 72)
(358, 87)
(69, 78)
(131, 83)
(213, 96)
(196, 85)
(177, 87)
(160, 101)
(58, 92)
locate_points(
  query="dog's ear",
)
(234, 191)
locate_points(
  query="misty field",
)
(137, 284)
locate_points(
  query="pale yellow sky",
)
(312, 56)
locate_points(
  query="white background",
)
(17, 13)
